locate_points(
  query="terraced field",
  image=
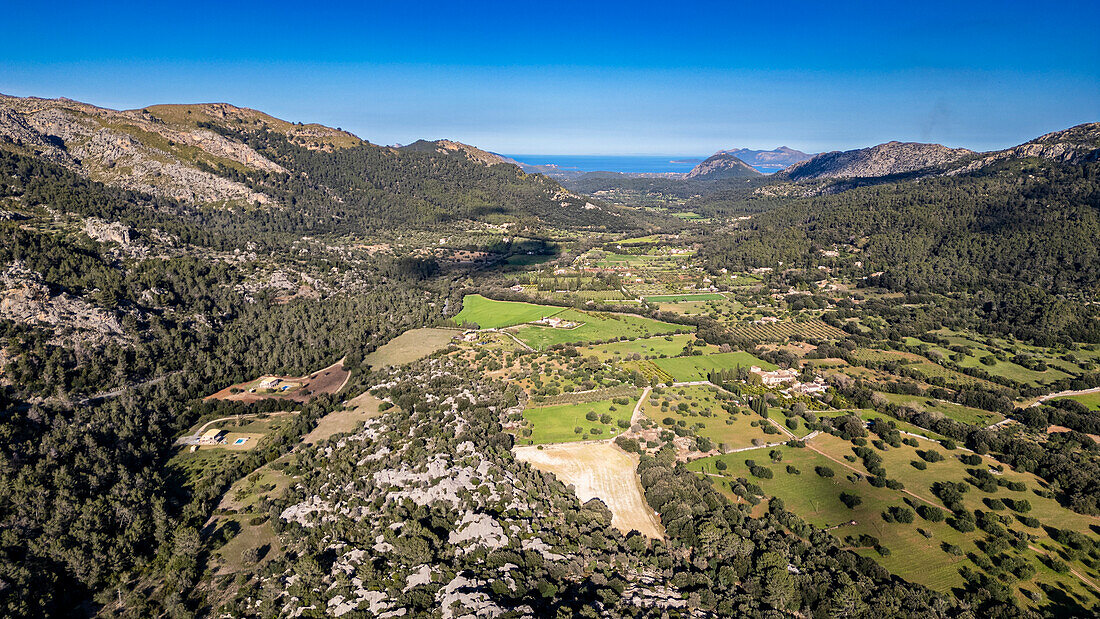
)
(779, 331)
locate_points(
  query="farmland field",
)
(703, 409)
(783, 330)
(1091, 400)
(958, 412)
(597, 327)
(667, 345)
(490, 314)
(557, 424)
(599, 470)
(917, 557)
(686, 369)
(409, 346)
(680, 298)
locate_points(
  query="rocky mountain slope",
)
(219, 155)
(768, 160)
(882, 160)
(1074, 145)
(722, 165)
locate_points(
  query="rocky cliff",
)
(881, 160)
(1074, 145)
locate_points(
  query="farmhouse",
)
(777, 377)
(269, 382)
(213, 436)
(817, 387)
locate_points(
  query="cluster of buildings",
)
(790, 378)
(555, 322)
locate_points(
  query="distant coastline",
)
(613, 163)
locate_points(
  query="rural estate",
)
(314, 354)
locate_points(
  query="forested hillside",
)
(1016, 239)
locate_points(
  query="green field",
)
(707, 418)
(409, 346)
(958, 412)
(1091, 400)
(527, 260)
(914, 556)
(490, 314)
(680, 298)
(667, 345)
(867, 414)
(687, 369)
(557, 424)
(596, 327)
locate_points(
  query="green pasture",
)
(557, 424)
(490, 314)
(687, 369)
(596, 327)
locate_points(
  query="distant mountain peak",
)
(448, 147)
(722, 165)
(768, 160)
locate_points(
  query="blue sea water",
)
(614, 163)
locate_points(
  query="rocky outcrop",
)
(722, 165)
(130, 149)
(107, 232)
(881, 160)
(1074, 145)
(25, 299)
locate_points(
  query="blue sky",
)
(683, 78)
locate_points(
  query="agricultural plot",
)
(595, 327)
(410, 346)
(564, 423)
(867, 414)
(1091, 400)
(696, 367)
(699, 409)
(665, 345)
(779, 331)
(599, 471)
(681, 298)
(958, 412)
(649, 370)
(528, 259)
(580, 397)
(916, 556)
(1047, 511)
(490, 314)
(349, 419)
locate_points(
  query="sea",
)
(614, 163)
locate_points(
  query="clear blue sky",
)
(684, 78)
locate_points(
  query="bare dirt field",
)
(599, 470)
(409, 346)
(359, 409)
(328, 380)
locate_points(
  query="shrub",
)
(850, 500)
(930, 513)
(824, 471)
